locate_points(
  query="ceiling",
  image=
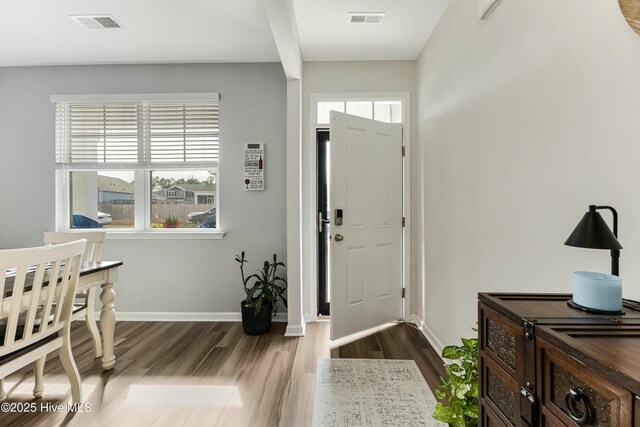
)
(325, 34)
(37, 32)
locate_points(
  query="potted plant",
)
(263, 290)
(172, 222)
(459, 386)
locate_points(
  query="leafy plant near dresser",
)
(459, 387)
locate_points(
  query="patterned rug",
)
(372, 392)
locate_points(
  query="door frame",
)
(310, 229)
(324, 309)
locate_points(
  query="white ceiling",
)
(325, 34)
(39, 32)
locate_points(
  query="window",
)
(388, 111)
(139, 164)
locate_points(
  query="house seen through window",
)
(139, 165)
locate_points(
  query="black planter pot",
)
(256, 324)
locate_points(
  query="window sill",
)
(164, 235)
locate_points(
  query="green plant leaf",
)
(471, 412)
(454, 368)
(470, 343)
(452, 352)
(442, 413)
(474, 390)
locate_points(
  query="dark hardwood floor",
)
(398, 341)
(203, 374)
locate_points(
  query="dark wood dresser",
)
(543, 363)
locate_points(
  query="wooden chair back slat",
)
(14, 311)
(45, 277)
(95, 241)
(36, 292)
(54, 272)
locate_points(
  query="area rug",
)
(372, 392)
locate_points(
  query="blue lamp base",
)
(571, 303)
(597, 292)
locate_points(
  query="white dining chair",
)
(84, 307)
(37, 289)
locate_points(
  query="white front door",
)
(366, 247)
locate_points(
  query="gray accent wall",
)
(168, 275)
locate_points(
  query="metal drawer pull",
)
(572, 401)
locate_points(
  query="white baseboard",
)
(417, 321)
(428, 334)
(295, 330)
(157, 316)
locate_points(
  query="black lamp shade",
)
(593, 232)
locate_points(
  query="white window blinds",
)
(137, 133)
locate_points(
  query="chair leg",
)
(3, 394)
(38, 371)
(69, 365)
(90, 319)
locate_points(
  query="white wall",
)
(343, 77)
(525, 120)
(158, 275)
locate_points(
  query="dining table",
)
(105, 275)
(93, 274)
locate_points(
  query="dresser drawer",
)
(567, 387)
(549, 420)
(499, 391)
(488, 418)
(502, 341)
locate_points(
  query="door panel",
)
(383, 270)
(356, 158)
(384, 153)
(355, 276)
(366, 250)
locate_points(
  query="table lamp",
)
(597, 292)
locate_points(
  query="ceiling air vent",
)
(365, 17)
(96, 21)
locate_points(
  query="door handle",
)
(339, 238)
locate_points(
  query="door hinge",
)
(403, 290)
(403, 221)
(403, 151)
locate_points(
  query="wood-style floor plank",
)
(164, 369)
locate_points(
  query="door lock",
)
(339, 238)
(338, 219)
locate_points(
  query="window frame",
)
(142, 208)
(142, 178)
(357, 98)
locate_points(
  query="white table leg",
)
(107, 325)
